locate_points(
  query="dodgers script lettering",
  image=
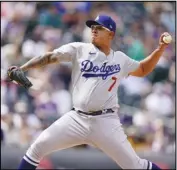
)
(91, 70)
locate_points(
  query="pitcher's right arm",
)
(63, 54)
(40, 61)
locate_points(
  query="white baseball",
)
(167, 39)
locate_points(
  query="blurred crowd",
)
(29, 29)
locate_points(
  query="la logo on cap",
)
(97, 18)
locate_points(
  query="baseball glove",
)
(16, 74)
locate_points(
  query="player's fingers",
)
(12, 67)
(161, 41)
(162, 35)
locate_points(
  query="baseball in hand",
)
(167, 39)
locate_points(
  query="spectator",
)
(50, 17)
(159, 98)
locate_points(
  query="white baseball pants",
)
(103, 131)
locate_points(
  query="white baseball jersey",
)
(95, 76)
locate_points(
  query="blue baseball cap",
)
(103, 20)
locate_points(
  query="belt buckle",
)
(104, 111)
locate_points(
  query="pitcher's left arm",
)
(148, 64)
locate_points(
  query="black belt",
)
(96, 113)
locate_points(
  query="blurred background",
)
(147, 111)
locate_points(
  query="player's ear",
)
(112, 34)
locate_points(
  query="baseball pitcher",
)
(97, 71)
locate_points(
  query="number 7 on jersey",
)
(112, 85)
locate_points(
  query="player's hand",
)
(165, 40)
(16, 74)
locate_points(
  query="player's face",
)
(100, 35)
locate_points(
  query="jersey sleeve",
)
(67, 53)
(130, 65)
